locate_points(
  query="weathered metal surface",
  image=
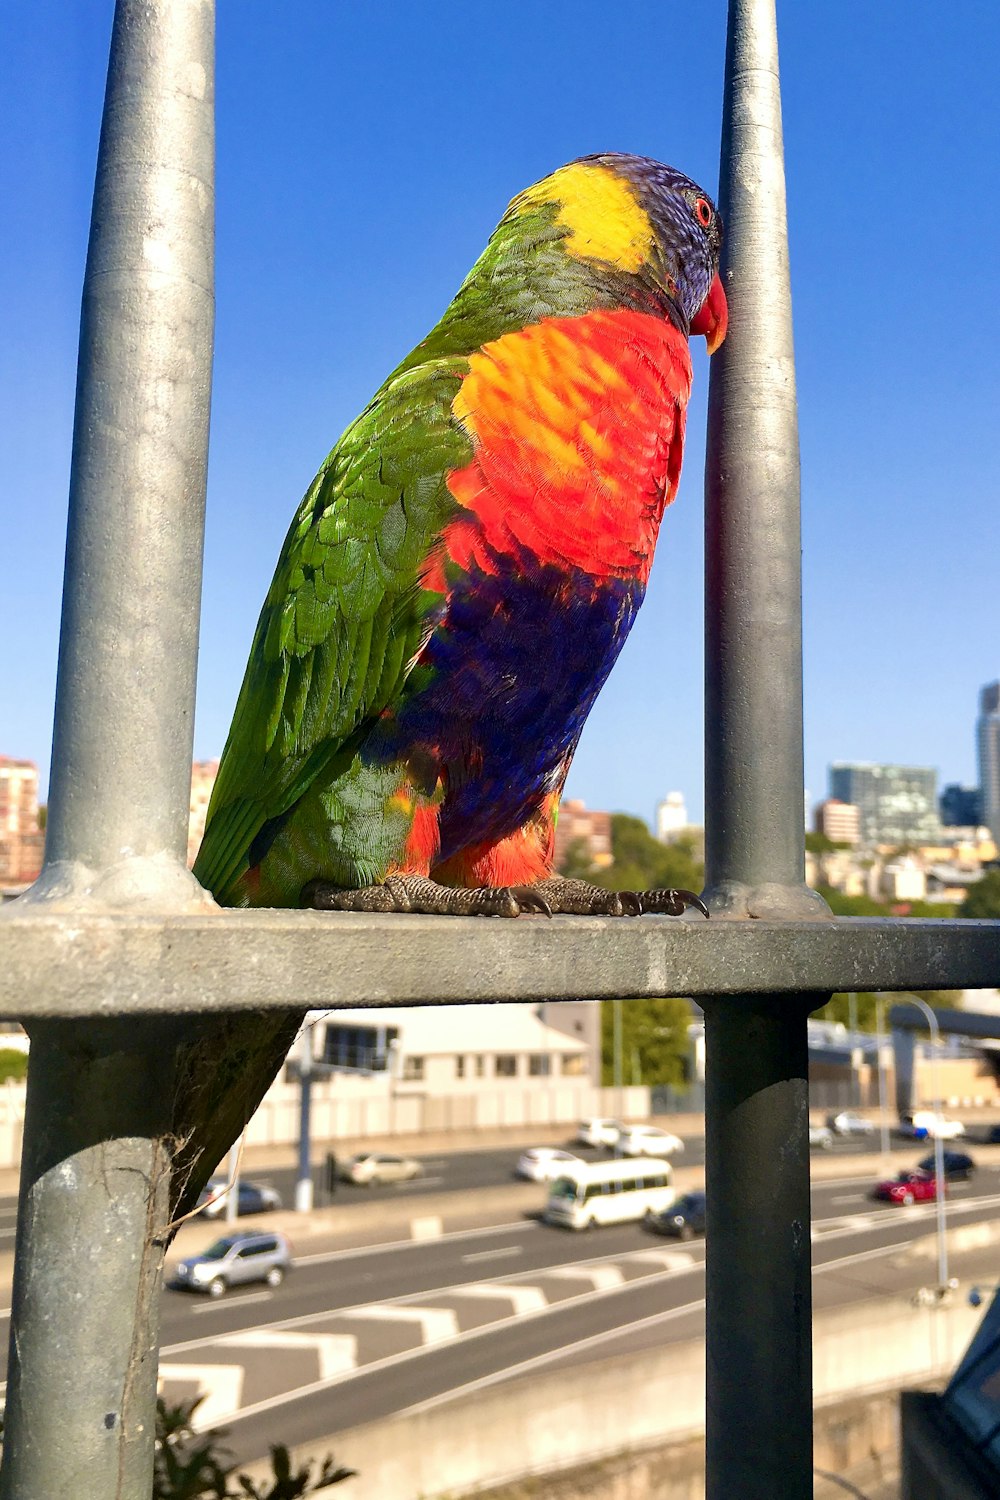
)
(78, 965)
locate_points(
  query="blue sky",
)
(364, 154)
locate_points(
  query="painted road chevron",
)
(236, 1371)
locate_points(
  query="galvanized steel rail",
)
(116, 950)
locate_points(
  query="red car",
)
(908, 1187)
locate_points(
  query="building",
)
(897, 804)
(988, 744)
(203, 774)
(22, 842)
(671, 817)
(577, 824)
(961, 806)
(839, 821)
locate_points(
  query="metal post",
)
(883, 1119)
(759, 1397)
(95, 1170)
(304, 1183)
(939, 1203)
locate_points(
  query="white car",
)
(545, 1163)
(599, 1132)
(820, 1137)
(924, 1122)
(648, 1140)
(849, 1123)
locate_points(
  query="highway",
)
(361, 1332)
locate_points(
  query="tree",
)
(577, 863)
(654, 1041)
(820, 843)
(641, 862)
(187, 1465)
(983, 898)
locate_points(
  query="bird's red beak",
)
(712, 318)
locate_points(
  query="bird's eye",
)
(703, 212)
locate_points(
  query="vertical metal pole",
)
(304, 1183)
(759, 1396)
(95, 1167)
(883, 1118)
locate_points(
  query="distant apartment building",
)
(988, 744)
(961, 806)
(839, 821)
(897, 804)
(671, 817)
(577, 824)
(22, 842)
(203, 774)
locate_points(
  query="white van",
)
(610, 1192)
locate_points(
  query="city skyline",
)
(342, 235)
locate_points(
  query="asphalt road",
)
(354, 1335)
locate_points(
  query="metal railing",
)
(115, 959)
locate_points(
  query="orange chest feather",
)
(578, 430)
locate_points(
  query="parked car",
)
(683, 1219)
(820, 1137)
(990, 1135)
(908, 1187)
(545, 1163)
(243, 1256)
(958, 1166)
(849, 1123)
(599, 1131)
(372, 1168)
(251, 1198)
(648, 1140)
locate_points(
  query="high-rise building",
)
(577, 824)
(839, 821)
(22, 842)
(898, 804)
(961, 806)
(671, 817)
(988, 742)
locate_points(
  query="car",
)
(599, 1131)
(991, 1135)
(958, 1166)
(373, 1168)
(924, 1123)
(820, 1137)
(238, 1258)
(683, 1219)
(251, 1198)
(849, 1123)
(908, 1187)
(648, 1140)
(545, 1163)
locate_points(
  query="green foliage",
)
(43, 816)
(818, 843)
(13, 1063)
(851, 906)
(839, 1007)
(577, 863)
(983, 898)
(642, 863)
(654, 1041)
(187, 1465)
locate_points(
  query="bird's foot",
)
(580, 898)
(415, 893)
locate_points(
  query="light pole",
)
(942, 1237)
(880, 1064)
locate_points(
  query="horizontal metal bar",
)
(69, 964)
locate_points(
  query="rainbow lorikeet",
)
(466, 566)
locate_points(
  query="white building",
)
(671, 817)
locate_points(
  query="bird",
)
(451, 595)
(466, 566)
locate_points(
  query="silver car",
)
(233, 1260)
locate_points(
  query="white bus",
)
(610, 1192)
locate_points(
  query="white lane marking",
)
(672, 1260)
(417, 1182)
(849, 1198)
(336, 1351)
(221, 1386)
(217, 1303)
(429, 1228)
(322, 1257)
(523, 1299)
(501, 1254)
(436, 1323)
(600, 1277)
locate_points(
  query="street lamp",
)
(942, 1237)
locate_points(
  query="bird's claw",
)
(672, 903)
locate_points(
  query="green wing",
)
(345, 614)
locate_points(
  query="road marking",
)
(429, 1228)
(500, 1254)
(436, 1323)
(671, 1260)
(219, 1302)
(849, 1198)
(336, 1351)
(323, 1257)
(600, 1277)
(523, 1299)
(221, 1386)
